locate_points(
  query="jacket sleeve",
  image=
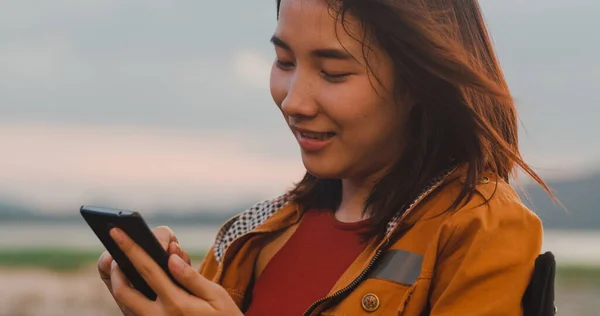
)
(486, 256)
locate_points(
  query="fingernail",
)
(179, 263)
(116, 234)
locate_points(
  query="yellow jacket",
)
(476, 260)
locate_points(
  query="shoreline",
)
(28, 291)
(43, 292)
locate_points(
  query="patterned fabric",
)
(246, 222)
(435, 183)
(252, 218)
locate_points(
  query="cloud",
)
(42, 65)
(150, 102)
(55, 168)
(53, 80)
(130, 62)
(534, 7)
(252, 68)
(30, 14)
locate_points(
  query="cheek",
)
(354, 105)
(278, 86)
(365, 118)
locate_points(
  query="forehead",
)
(312, 24)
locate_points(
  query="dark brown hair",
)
(462, 111)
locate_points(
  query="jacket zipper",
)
(379, 251)
(347, 288)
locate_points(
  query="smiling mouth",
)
(317, 136)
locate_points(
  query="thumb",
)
(197, 284)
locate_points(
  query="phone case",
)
(101, 220)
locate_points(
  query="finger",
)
(165, 235)
(194, 281)
(174, 248)
(104, 263)
(183, 254)
(156, 278)
(126, 296)
(186, 257)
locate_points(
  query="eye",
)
(335, 78)
(284, 65)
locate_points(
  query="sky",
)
(153, 104)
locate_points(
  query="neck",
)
(354, 194)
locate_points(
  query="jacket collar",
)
(257, 217)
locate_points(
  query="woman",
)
(409, 135)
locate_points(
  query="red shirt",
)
(307, 266)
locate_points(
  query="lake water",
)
(570, 247)
(20, 235)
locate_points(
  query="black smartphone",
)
(101, 220)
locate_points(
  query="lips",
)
(317, 135)
(313, 141)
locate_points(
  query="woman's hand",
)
(167, 239)
(206, 298)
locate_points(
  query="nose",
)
(300, 99)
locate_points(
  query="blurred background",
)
(164, 108)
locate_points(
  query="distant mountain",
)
(13, 211)
(580, 196)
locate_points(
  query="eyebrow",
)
(330, 53)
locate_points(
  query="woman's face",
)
(343, 118)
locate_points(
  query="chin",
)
(323, 168)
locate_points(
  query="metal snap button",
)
(370, 302)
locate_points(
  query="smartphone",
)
(101, 220)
